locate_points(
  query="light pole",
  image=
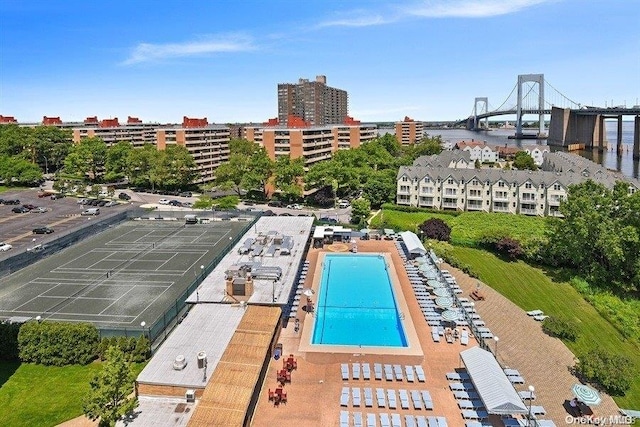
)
(38, 319)
(531, 390)
(496, 339)
(142, 325)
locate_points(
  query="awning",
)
(413, 243)
(493, 386)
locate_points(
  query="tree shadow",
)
(7, 369)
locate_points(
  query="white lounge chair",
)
(408, 371)
(464, 337)
(344, 397)
(404, 399)
(442, 421)
(421, 420)
(344, 419)
(345, 371)
(420, 373)
(432, 421)
(540, 318)
(380, 397)
(426, 398)
(371, 420)
(366, 372)
(435, 336)
(470, 414)
(357, 419)
(410, 420)
(391, 398)
(527, 395)
(416, 399)
(355, 368)
(516, 379)
(396, 421)
(377, 370)
(368, 397)
(388, 372)
(355, 391)
(538, 410)
(546, 423)
(397, 369)
(384, 420)
(468, 395)
(508, 371)
(535, 313)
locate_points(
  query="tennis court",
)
(121, 277)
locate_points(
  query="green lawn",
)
(466, 227)
(530, 289)
(36, 395)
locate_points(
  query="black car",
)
(175, 203)
(101, 203)
(57, 196)
(329, 220)
(29, 206)
(42, 230)
(19, 209)
(12, 202)
(186, 194)
(124, 196)
(275, 204)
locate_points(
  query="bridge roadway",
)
(591, 111)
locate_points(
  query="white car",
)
(4, 247)
(296, 207)
(163, 201)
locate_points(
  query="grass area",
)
(467, 227)
(530, 288)
(37, 395)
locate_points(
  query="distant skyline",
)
(162, 60)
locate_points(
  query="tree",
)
(599, 234)
(381, 187)
(612, 371)
(360, 211)
(226, 202)
(477, 164)
(524, 161)
(287, 175)
(17, 171)
(117, 161)
(174, 169)
(86, 159)
(435, 228)
(140, 165)
(509, 247)
(110, 396)
(248, 168)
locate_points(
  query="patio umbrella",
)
(450, 315)
(435, 284)
(420, 260)
(308, 292)
(586, 394)
(426, 268)
(444, 302)
(441, 292)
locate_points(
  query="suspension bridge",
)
(573, 124)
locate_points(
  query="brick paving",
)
(543, 361)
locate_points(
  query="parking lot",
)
(61, 215)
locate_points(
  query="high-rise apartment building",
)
(312, 101)
(409, 131)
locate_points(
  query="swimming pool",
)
(356, 304)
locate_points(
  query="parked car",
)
(82, 201)
(329, 220)
(57, 196)
(39, 210)
(4, 247)
(42, 230)
(343, 204)
(29, 206)
(19, 209)
(163, 201)
(11, 202)
(41, 195)
(275, 204)
(111, 203)
(124, 196)
(175, 203)
(295, 206)
(186, 194)
(91, 211)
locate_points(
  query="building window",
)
(527, 185)
(404, 179)
(501, 184)
(450, 181)
(556, 187)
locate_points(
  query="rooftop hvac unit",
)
(180, 363)
(190, 395)
(202, 360)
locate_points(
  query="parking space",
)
(61, 215)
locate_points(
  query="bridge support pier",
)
(619, 138)
(636, 138)
(574, 131)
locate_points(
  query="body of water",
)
(609, 159)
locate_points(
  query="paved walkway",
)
(543, 361)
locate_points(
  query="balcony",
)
(450, 205)
(528, 211)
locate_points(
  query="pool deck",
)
(315, 388)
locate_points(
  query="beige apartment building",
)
(409, 131)
(312, 101)
(313, 143)
(112, 132)
(449, 183)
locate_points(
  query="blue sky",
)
(160, 60)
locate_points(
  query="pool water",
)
(356, 305)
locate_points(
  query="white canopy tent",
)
(413, 244)
(493, 386)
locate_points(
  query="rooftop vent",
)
(180, 363)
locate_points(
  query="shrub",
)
(136, 349)
(611, 371)
(9, 341)
(58, 344)
(435, 228)
(509, 247)
(561, 328)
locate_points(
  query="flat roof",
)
(213, 287)
(321, 231)
(208, 328)
(160, 412)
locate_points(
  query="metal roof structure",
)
(493, 386)
(413, 243)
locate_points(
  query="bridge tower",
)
(535, 78)
(484, 104)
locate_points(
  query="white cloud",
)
(356, 21)
(469, 8)
(148, 52)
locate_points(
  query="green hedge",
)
(612, 371)
(58, 344)
(137, 349)
(9, 341)
(561, 328)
